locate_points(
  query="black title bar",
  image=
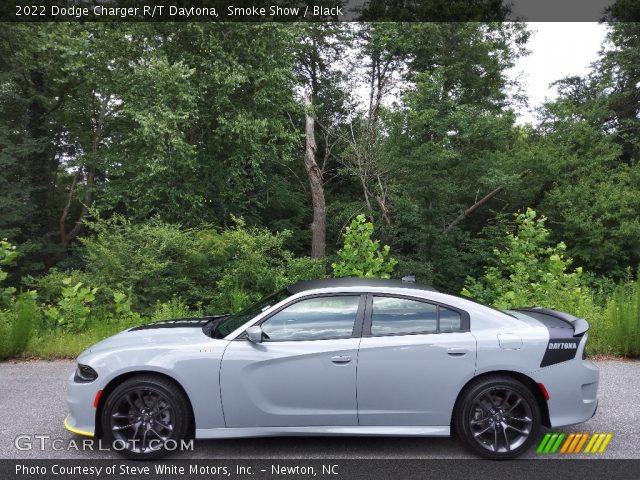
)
(319, 10)
(337, 469)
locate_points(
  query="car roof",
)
(355, 282)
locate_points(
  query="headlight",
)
(84, 374)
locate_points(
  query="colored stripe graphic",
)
(595, 448)
(567, 442)
(605, 443)
(582, 442)
(555, 447)
(552, 440)
(573, 443)
(543, 443)
(594, 437)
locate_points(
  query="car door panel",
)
(304, 371)
(412, 379)
(297, 383)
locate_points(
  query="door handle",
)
(457, 351)
(341, 359)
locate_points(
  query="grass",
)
(621, 321)
(24, 333)
(50, 344)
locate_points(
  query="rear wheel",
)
(142, 414)
(498, 418)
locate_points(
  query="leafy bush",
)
(18, 313)
(49, 286)
(255, 264)
(72, 310)
(361, 256)
(173, 309)
(530, 272)
(154, 262)
(122, 308)
(6, 322)
(8, 255)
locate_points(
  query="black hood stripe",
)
(178, 323)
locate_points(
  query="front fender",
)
(195, 367)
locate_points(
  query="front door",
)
(413, 360)
(304, 371)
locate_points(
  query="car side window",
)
(313, 319)
(403, 316)
(394, 316)
(450, 320)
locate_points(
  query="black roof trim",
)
(355, 282)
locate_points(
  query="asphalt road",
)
(32, 402)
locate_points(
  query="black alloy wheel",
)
(498, 418)
(146, 416)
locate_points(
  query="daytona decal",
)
(559, 349)
(562, 346)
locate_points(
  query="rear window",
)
(403, 316)
(393, 316)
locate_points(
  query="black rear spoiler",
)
(579, 325)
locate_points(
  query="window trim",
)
(356, 332)
(465, 323)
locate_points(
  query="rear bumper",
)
(573, 391)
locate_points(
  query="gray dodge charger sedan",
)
(339, 357)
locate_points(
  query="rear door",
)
(414, 358)
(303, 373)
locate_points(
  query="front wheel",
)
(498, 418)
(142, 414)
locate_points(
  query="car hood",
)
(158, 334)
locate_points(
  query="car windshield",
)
(236, 320)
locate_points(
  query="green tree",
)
(587, 172)
(530, 272)
(38, 73)
(450, 144)
(361, 256)
(188, 122)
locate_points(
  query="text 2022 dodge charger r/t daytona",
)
(339, 357)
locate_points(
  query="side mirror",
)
(254, 334)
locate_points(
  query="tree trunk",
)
(66, 238)
(382, 202)
(39, 163)
(316, 184)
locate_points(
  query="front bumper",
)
(82, 414)
(573, 391)
(67, 424)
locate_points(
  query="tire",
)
(497, 418)
(145, 404)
